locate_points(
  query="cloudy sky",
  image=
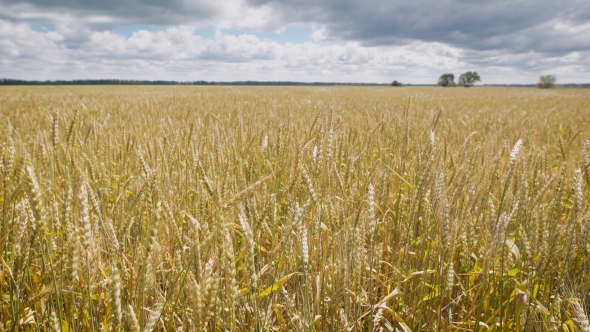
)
(296, 40)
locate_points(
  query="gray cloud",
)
(107, 14)
(386, 38)
(516, 26)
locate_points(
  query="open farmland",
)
(294, 209)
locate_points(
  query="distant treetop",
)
(446, 80)
(467, 79)
(546, 81)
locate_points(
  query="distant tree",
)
(446, 80)
(396, 83)
(467, 79)
(546, 81)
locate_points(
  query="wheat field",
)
(184, 208)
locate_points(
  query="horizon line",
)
(10, 81)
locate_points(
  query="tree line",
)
(466, 79)
(8, 81)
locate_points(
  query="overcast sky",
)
(295, 40)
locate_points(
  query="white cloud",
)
(351, 40)
(320, 34)
(177, 53)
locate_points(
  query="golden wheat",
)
(294, 209)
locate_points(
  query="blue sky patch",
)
(291, 34)
(128, 30)
(42, 27)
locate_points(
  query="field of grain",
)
(294, 209)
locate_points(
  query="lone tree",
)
(446, 80)
(546, 81)
(469, 78)
(396, 83)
